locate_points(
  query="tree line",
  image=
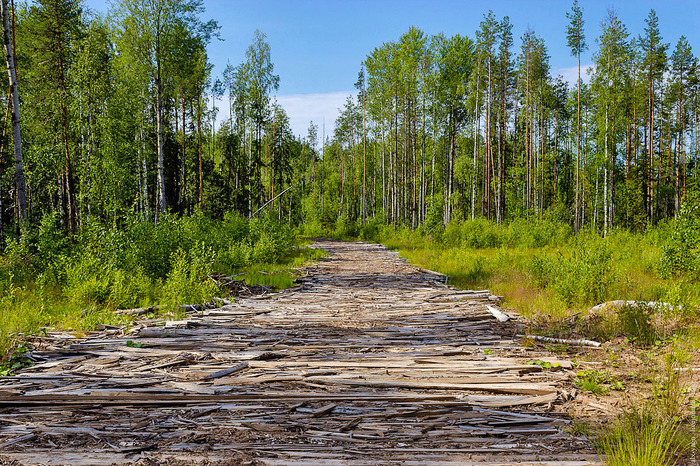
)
(113, 115)
(460, 127)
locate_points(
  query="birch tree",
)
(150, 24)
(653, 65)
(16, 129)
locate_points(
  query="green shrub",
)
(234, 257)
(269, 241)
(91, 282)
(479, 234)
(540, 270)
(585, 277)
(434, 217)
(371, 230)
(17, 264)
(188, 281)
(345, 228)
(682, 252)
(47, 279)
(265, 249)
(313, 229)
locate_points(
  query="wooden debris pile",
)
(367, 360)
(238, 288)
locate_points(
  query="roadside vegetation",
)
(49, 280)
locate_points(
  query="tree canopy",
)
(118, 118)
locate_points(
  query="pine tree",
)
(654, 65)
(682, 67)
(576, 40)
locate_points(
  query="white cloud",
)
(570, 74)
(301, 109)
(304, 108)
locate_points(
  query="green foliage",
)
(91, 281)
(270, 241)
(585, 277)
(640, 437)
(682, 252)
(544, 364)
(345, 228)
(591, 381)
(187, 281)
(48, 280)
(598, 382)
(17, 361)
(482, 234)
(16, 264)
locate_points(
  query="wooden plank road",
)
(368, 361)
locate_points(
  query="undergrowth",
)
(47, 280)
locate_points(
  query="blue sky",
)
(318, 45)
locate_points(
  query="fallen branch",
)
(582, 341)
(138, 311)
(502, 317)
(229, 371)
(431, 272)
(619, 303)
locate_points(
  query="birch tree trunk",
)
(16, 132)
(199, 148)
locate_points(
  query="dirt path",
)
(368, 361)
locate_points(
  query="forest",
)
(118, 119)
(131, 176)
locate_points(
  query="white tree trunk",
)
(16, 132)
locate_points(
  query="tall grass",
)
(640, 437)
(543, 270)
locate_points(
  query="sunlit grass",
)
(550, 283)
(641, 438)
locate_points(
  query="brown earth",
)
(368, 361)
